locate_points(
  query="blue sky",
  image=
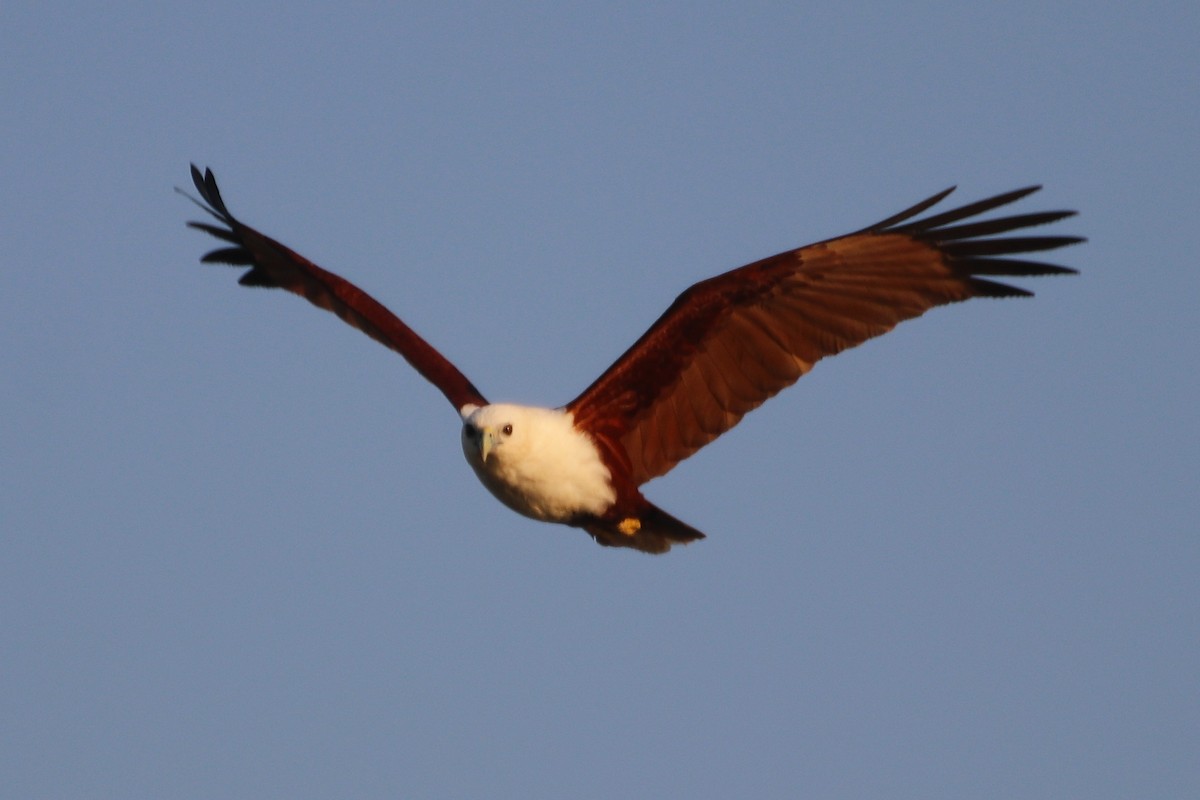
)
(242, 556)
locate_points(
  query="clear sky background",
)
(242, 555)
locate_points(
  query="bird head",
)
(486, 431)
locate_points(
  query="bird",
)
(722, 348)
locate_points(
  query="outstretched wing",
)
(275, 266)
(730, 342)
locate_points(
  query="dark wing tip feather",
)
(206, 185)
(1005, 246)
(211, 201)
(970, 248)
(992, 227)
(1015, 267)
(985, 288)
(220, 233)
(910, 212)
(955, 214)
(233, 256)
(258, 277)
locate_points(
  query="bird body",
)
(725, 346)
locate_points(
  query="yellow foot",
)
(629, 526)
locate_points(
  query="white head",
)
(499, 432)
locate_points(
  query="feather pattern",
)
(273, 265)
(729, 343)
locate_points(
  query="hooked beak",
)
(487, 441)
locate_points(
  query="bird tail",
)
(651, 531)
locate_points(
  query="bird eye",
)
(507, 430)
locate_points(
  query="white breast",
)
(544, 468)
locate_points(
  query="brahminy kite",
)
(723, 347)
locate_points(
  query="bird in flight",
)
(722, 348)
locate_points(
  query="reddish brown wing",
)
(730, 342)
(273, 265)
